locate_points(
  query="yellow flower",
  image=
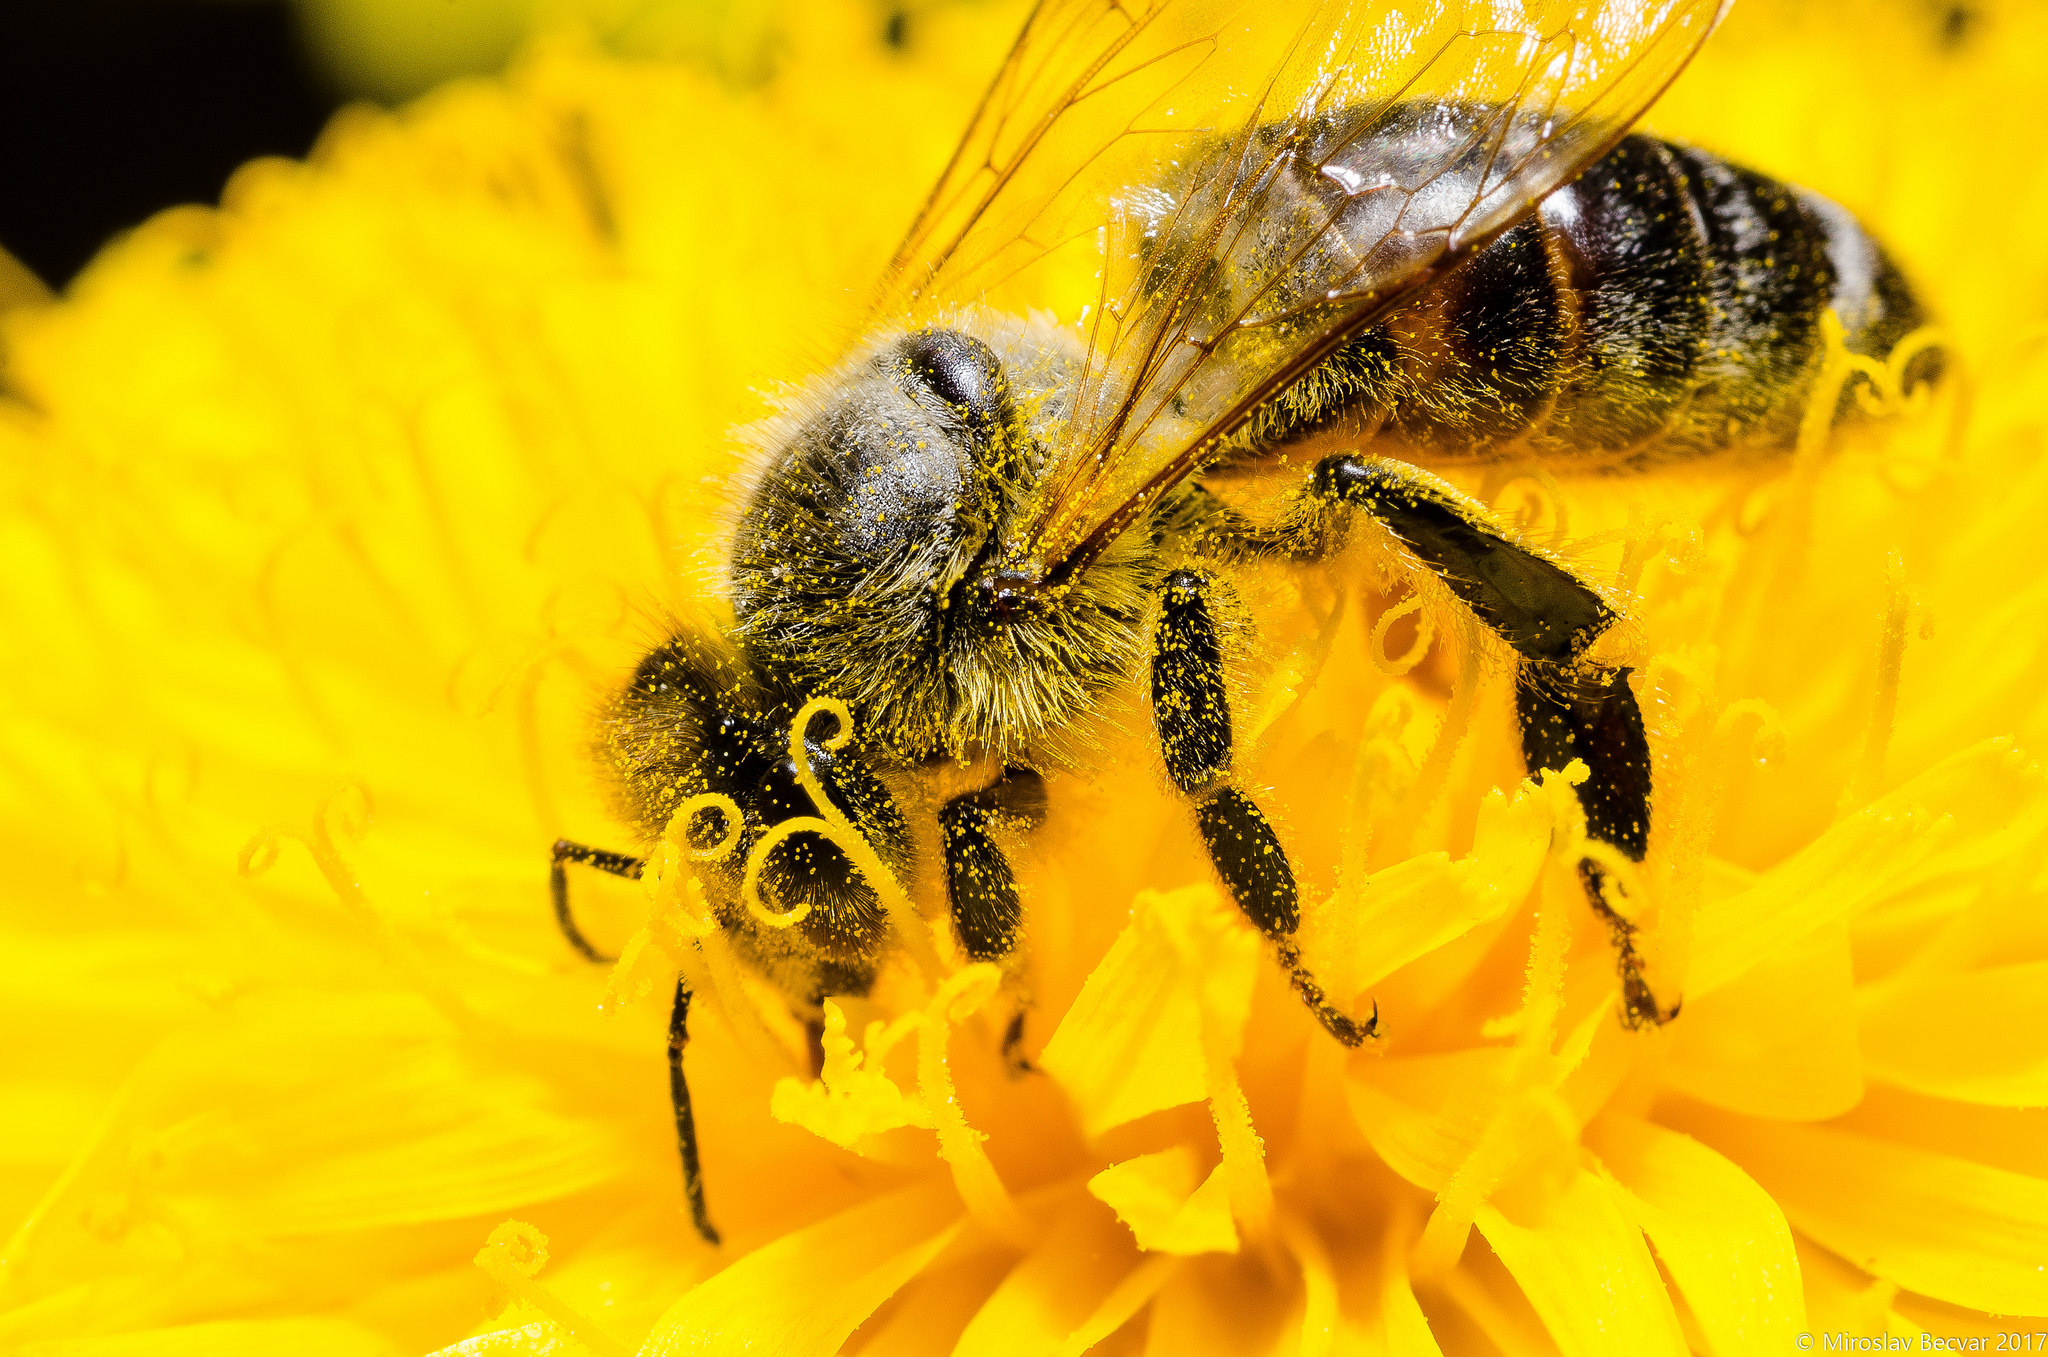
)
(330, 515)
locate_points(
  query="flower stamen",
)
(512, 1256)
(352, 815)
(1425, 632)
(988, 1201)
(1868, 781)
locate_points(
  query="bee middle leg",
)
(1192, 710)
(981, 888)
(1568, 707)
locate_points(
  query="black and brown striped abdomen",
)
(1666, 303)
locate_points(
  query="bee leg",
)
(686, 1121)
(980, 887)
(1192, 710)
(565, 852)
(1596, 718)
(1013, 1047)
(814, 1043)
(1568, 708)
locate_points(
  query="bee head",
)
(874, 505)
(868, 563)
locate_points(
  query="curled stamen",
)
(848, 838)
(835, 831)
(259, 855)
(1543, 498)
(1838, 368)
(1903, 353)
(980, 1187)
(735, 824)
(799, 752)
(352, 817)
(829, 824)
(757, 862)
(679, 914)
(351, 814)
(1620, 878)
(1869, 778)
(1766, 742)
(1425, 633)
(512, 1256)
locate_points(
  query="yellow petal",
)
(1932, 1223)
(301, 1114)
(1168, 1209)
(539, 1339)
(232, 1338)
(929, 1314)
(1979, 1037)
(1215, 1309)
(1055, 1288)
(1954, 819)
(1722, 1238)
(1402, 1326)
(803, 1294)
(1425, 1115)
(1132, 1043)
(1583, 1264)
(1410, 909)
(1779, 1040)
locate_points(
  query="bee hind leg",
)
(1192, 710)
(1595, 718)
(1569, 707)
(566, 852)
(981, 888)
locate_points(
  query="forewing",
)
(1220, 190)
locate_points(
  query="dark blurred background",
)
(113, 109)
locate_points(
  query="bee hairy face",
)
(873, 554)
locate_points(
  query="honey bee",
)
(1352, 236)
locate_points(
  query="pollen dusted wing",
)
(1230, 186)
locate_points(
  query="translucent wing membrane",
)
(1221, 190)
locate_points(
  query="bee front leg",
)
(981, 889)
(566, 852)
(621, 864)
(1569, 708)
(686, 1121)
(1192, 710)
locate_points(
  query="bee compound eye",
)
(960, 370)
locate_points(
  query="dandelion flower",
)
(332, 513)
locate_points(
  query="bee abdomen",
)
(1665, 303)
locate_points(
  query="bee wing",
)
(1224, 189)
